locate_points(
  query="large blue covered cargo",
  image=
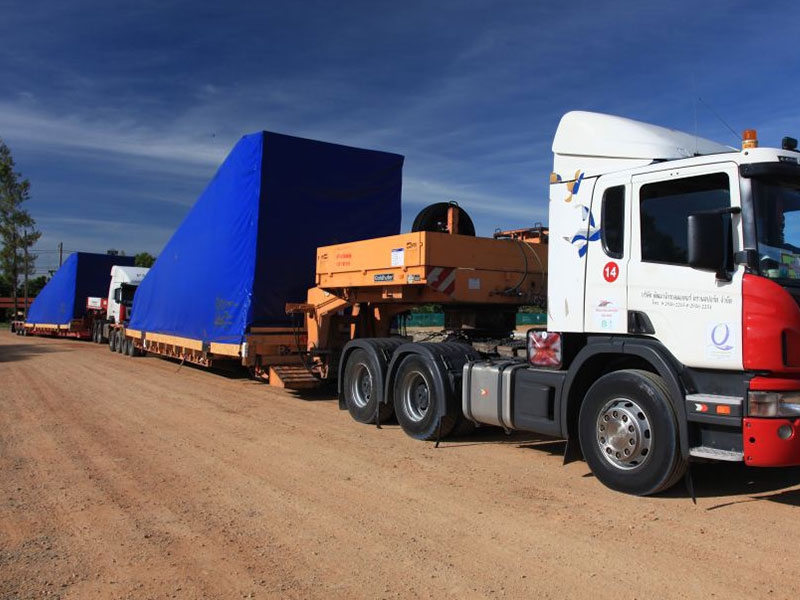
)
(248, 246)
(64, 297)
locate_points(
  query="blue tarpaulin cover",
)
(248, 246)
(64, 297)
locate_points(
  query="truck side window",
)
(612, 221)
(665, 207)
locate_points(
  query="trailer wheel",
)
(119, 341)
(111, 340)
(417, 401)
(361, 388)
(629, 433)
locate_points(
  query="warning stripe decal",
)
(443, 279)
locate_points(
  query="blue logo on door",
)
(720, 335)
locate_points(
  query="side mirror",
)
(707, 241)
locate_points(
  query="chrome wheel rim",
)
(416, 396)
(624, 435)
(361, 386)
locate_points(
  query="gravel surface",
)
(131, 478)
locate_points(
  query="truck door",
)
(605, 308)
(697, 317)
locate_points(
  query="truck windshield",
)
(777, 208)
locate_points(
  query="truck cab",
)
(674, 273)
(115, 309)
(124, 281)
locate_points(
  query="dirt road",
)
(122, 478)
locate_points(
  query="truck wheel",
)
(629, 433)
(111, 340)
(417, 402)
(119, 340)
(360, 388)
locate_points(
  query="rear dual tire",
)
(418, 404)
(361, 388)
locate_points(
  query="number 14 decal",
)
(610, 272)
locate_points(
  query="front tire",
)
(629, 433)
(112, 340)
(361, 390)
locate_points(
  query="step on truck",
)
(673, 326)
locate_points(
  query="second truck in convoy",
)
(111, 313)
(670, 272)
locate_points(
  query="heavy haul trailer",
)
(673, 329)
(61, 307)
(218, 290)
(362, 286)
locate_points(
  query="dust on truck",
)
(673, 331)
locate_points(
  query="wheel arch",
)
(448, 359)
(612, 354)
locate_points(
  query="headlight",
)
(774, 404)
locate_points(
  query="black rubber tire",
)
(119, 342)
(365, 412)
(129, 348)
(664, 465)
(96, 332)
(111, 340)
(432, 217)
(427, 427)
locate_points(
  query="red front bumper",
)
(771, 442)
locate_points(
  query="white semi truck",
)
(673, 325)
(113, 311)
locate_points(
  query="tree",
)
(144, 259)
(17, 227)
(35, 285)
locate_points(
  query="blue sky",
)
(119, 113)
